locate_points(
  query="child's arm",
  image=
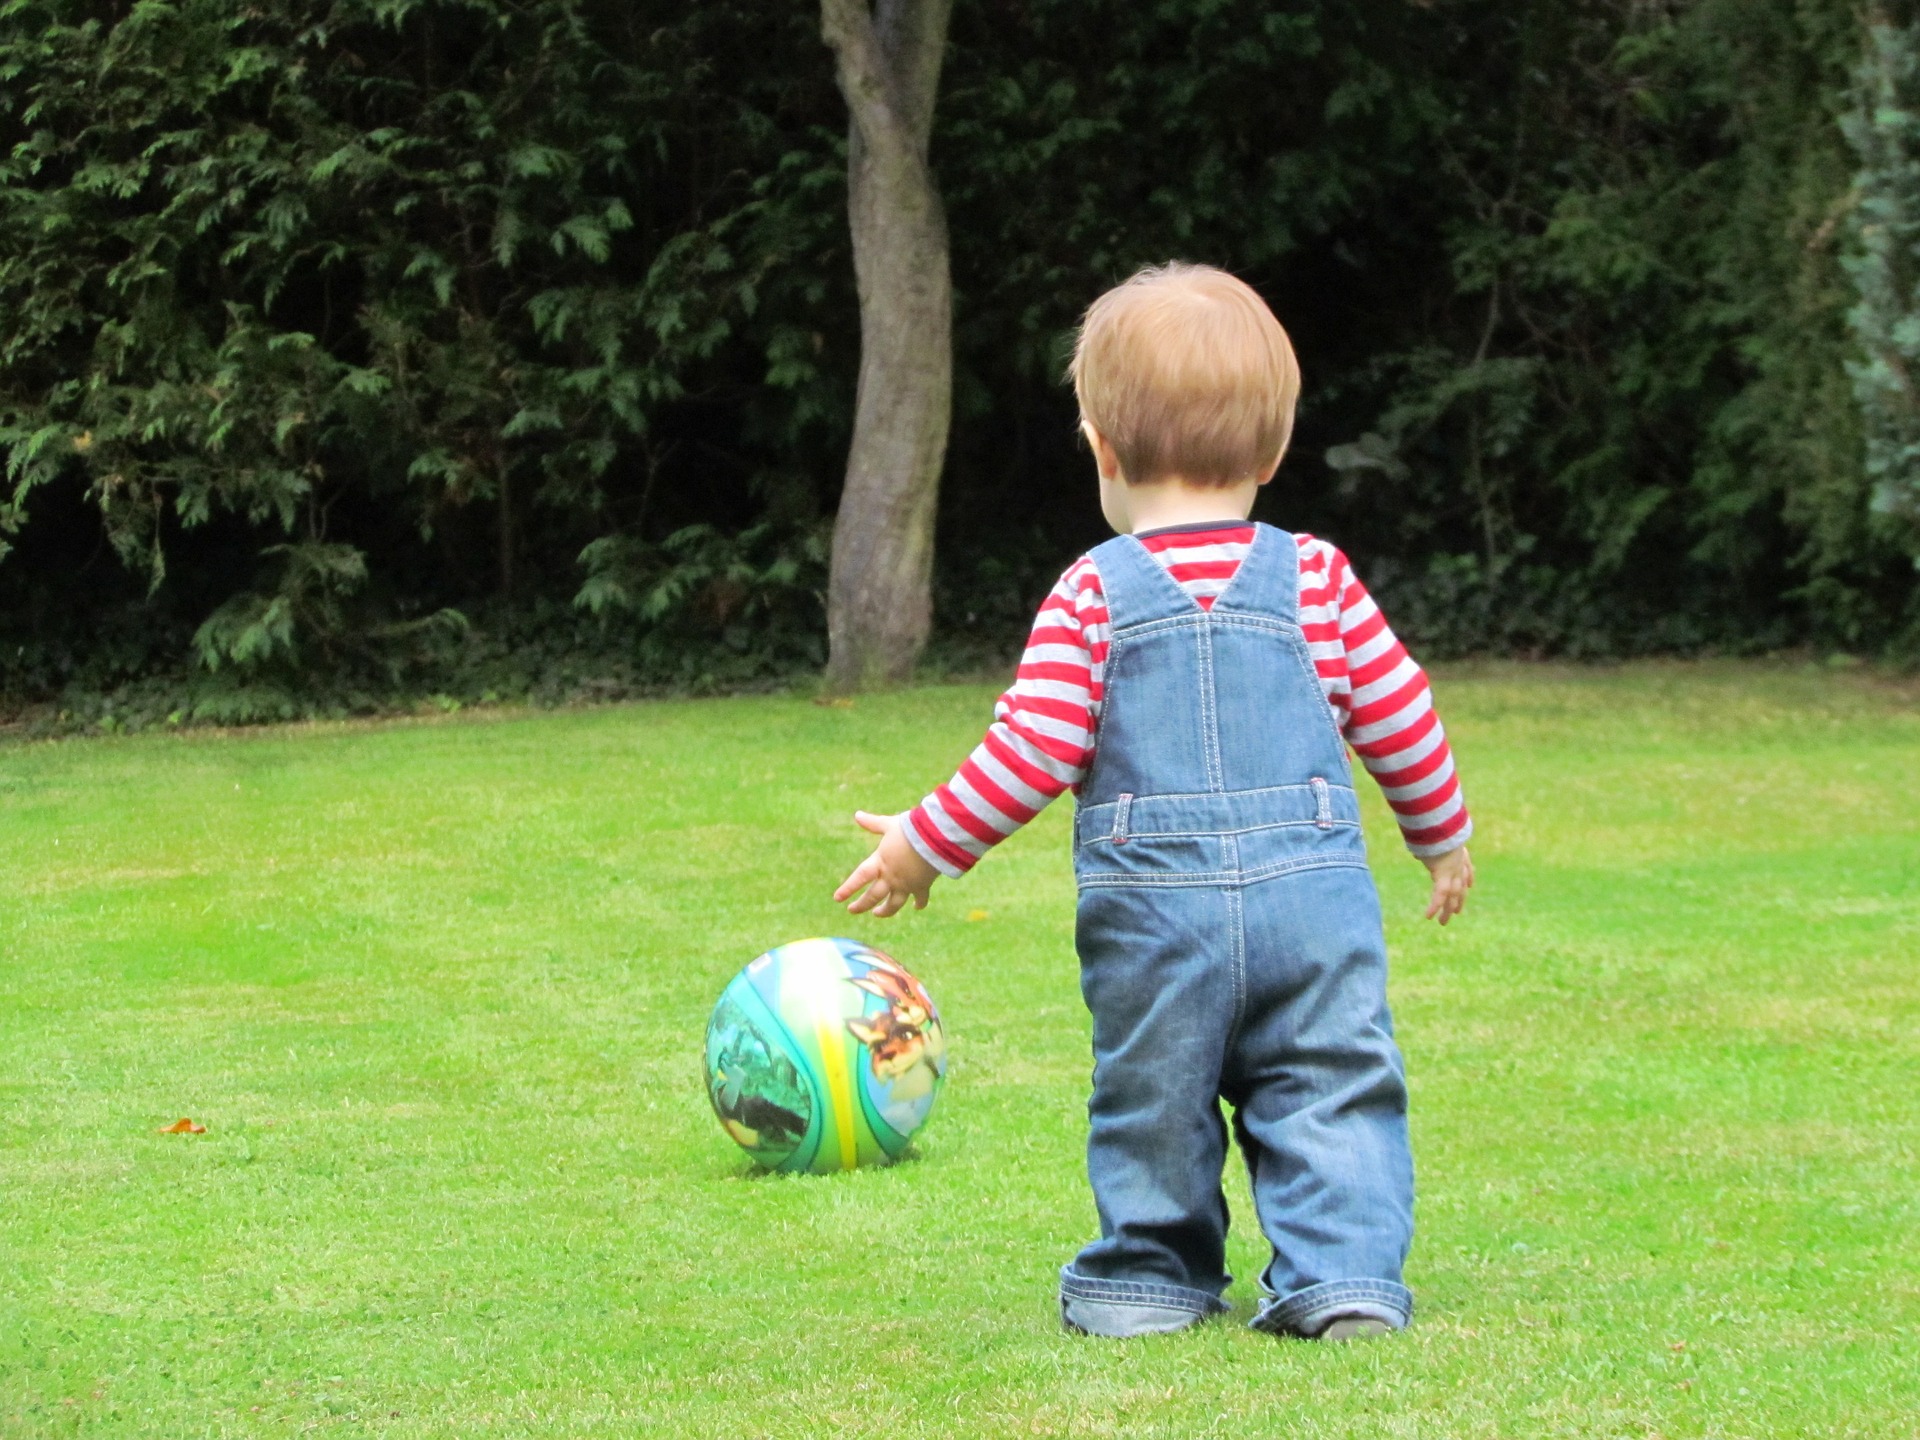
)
(1385, 707)
(1039, 745)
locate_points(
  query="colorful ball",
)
(823, 1055)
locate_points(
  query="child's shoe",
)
(1353, 1327)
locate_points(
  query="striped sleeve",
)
(1042, 737)
(1382, 700)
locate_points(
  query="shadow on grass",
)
(746, 1168)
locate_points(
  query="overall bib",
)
(1231, 948)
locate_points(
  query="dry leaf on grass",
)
(183, 1126)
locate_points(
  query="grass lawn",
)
(438, 992)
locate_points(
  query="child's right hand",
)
(892, 875)
(1452, 878)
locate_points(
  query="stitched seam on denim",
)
(1127, 1292)
(1178, 1303)
(1137, 834)
(1156, 625)
(1171, 590)
(1298, 645)
(1255, 552)
(1091, 813)
(1258, 790)
(1087, 1288)
(1237, 945)
(1120, 809)
(1304, 659)
(1180, 594)
(1120, 879)
(1209, 712)
(1141, 1302)
(1287, 867)
(1331, 1291)
(1102, 725)
(1342, 1294)
(1252, 620)
(1164, 1307)
(1289, 630)
(1092, 1287)
(1291, 591)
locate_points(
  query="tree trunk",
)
(879, 595)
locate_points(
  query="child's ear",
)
(1105, 457)
(1285, 441)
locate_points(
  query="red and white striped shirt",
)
(1046, 728)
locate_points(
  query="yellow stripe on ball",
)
(833, 1061)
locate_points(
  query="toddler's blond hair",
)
(1186, 373)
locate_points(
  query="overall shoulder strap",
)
(1137, 586)
(1268, 580)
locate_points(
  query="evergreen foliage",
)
(1884, 128)
(352, 347)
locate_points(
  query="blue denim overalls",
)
(1231, 947)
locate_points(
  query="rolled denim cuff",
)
(1118, 1308)
(1308, 1311)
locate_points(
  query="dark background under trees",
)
(370, 349)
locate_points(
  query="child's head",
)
(1185, 373)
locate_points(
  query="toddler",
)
(1196, 682)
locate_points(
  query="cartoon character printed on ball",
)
(753, 1120)
(904, 1043)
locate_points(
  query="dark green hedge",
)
(356, 347)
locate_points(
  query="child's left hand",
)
(1452, 878)
(892, 875)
